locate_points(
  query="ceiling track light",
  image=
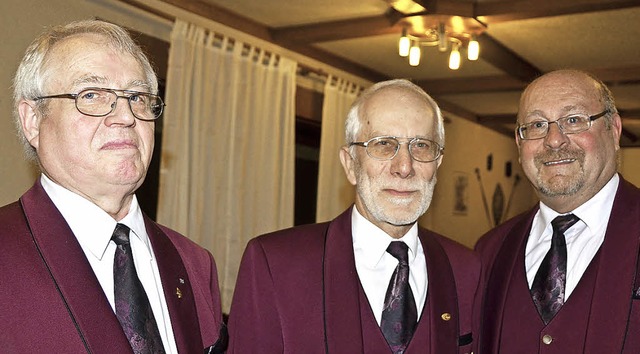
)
(454, 57)
(404, 44)
(438, 36)
(414, 55)
(473, 49)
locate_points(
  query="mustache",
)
(413, 186)
(554, 155)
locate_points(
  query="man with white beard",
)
(371, 280)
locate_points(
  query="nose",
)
(402, 163)
(121, 113)
(555, 137)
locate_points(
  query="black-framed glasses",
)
(575, 123)
(99, 102)
(386, 148)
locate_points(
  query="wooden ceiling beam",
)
(618, 76)
(497, 119)
(337, 62)
(253, 28)
(220, 15)
(448, 7)
(633, 138)
(484, 84)
(502, 83)
(501, 11)
(456, 110)
(337, 30)
(630, 114)
(503, 58)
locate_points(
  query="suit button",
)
(547, 339)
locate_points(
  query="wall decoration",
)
(497, 211)
(461, 193)
(484, 197)
(497, 204)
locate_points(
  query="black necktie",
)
(399, 315)
(548, 286)
(132, 304)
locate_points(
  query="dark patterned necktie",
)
(132, 304)
(399, 315)
(547, 289)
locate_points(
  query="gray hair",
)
(33, 71)
(353, 123)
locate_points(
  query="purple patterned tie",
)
(547, 289)
(399, 315)
(132, 304)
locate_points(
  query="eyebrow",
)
(567, 110)
(101, 80)
(89, 79)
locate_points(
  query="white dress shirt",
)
(583, 239)
(375, 265)
(93, 229)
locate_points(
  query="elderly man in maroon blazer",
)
(82, 269)
(563, 277)
(371, 280)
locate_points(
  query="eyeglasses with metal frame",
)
(99, 102)
(572, 124)
(386, 148)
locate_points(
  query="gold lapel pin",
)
(179, 293)
(446, 316)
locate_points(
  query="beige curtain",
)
(335, 193)
(228, 150)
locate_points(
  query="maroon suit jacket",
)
(52, 301)
(614, 315)
(298, 292)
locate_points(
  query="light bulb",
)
(473, 50)
(454, 58)
(443, 44)
(414, 55)
(403, 46)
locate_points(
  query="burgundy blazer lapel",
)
(443, 305)
(616, 274)
(177, 291)
(341, 301)
(499, 281)
(72, 272)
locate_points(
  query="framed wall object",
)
(460, 193)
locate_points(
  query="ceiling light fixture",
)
(448, 33)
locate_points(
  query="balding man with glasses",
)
(82, 269)
(371, 280)
(564, 277)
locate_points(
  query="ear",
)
(348, 165)
(30, 122)
(616, 127)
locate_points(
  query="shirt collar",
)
(92, 226)
(591, 212)
(373, 242)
